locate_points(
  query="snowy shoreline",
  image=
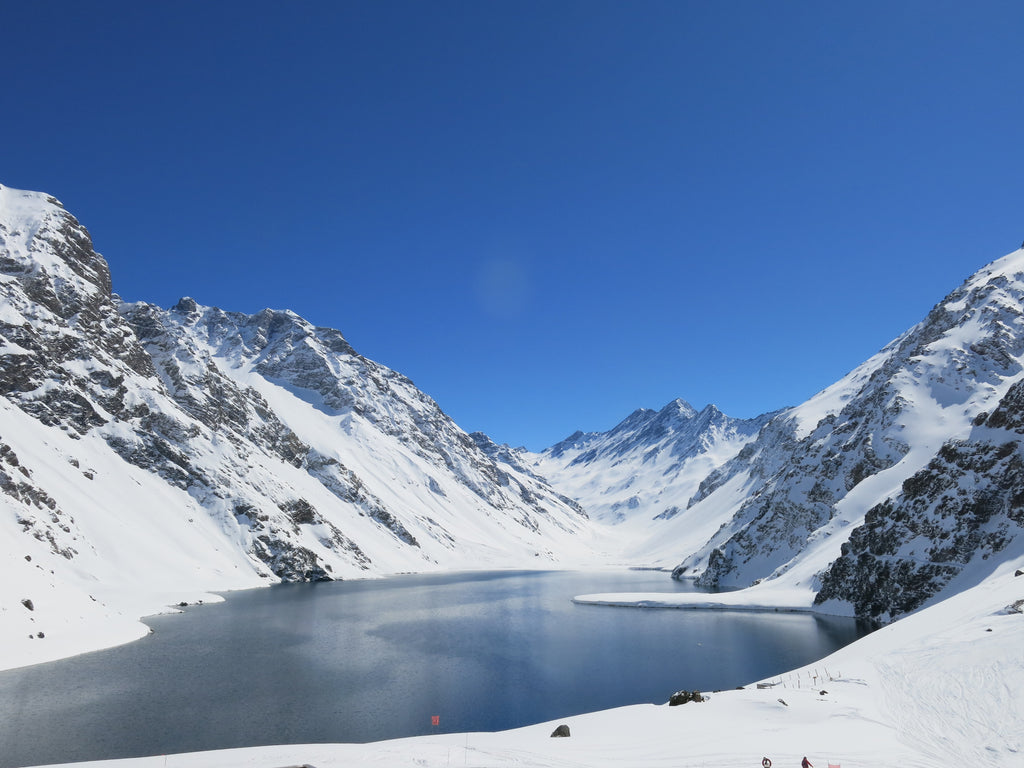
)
(77, 623)
(686, 602)
(767, 597)
(935, 688)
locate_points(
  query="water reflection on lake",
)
(371, 660)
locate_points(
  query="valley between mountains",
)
(151, 456)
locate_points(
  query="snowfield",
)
(938, 688)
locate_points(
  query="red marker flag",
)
(435, 719)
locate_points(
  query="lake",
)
(359, 661)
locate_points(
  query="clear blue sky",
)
(547, 214)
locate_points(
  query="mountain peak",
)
(678, 408)
(186, 305)
(711, 410)
(25, 204)
(647, 461)
(52, 255)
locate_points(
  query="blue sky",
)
(547, 214)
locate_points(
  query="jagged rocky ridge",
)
(297, 458)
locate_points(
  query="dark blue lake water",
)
(364, 661)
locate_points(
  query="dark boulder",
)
(684, 697)
(562, 730)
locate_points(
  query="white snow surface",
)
(937, 688)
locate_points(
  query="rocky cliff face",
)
(953, 519)
(263, 447)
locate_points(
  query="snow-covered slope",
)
(149, 455)
(951, 524)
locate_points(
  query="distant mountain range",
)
(150, 453)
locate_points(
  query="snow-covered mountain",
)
(896, 481)
(149, 455)
(640, 473)
(949, 527)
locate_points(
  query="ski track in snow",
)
(957, 706)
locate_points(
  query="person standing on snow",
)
(805, 763)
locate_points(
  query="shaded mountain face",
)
(253, 446)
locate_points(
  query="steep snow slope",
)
(367, 433)
(148, 455)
